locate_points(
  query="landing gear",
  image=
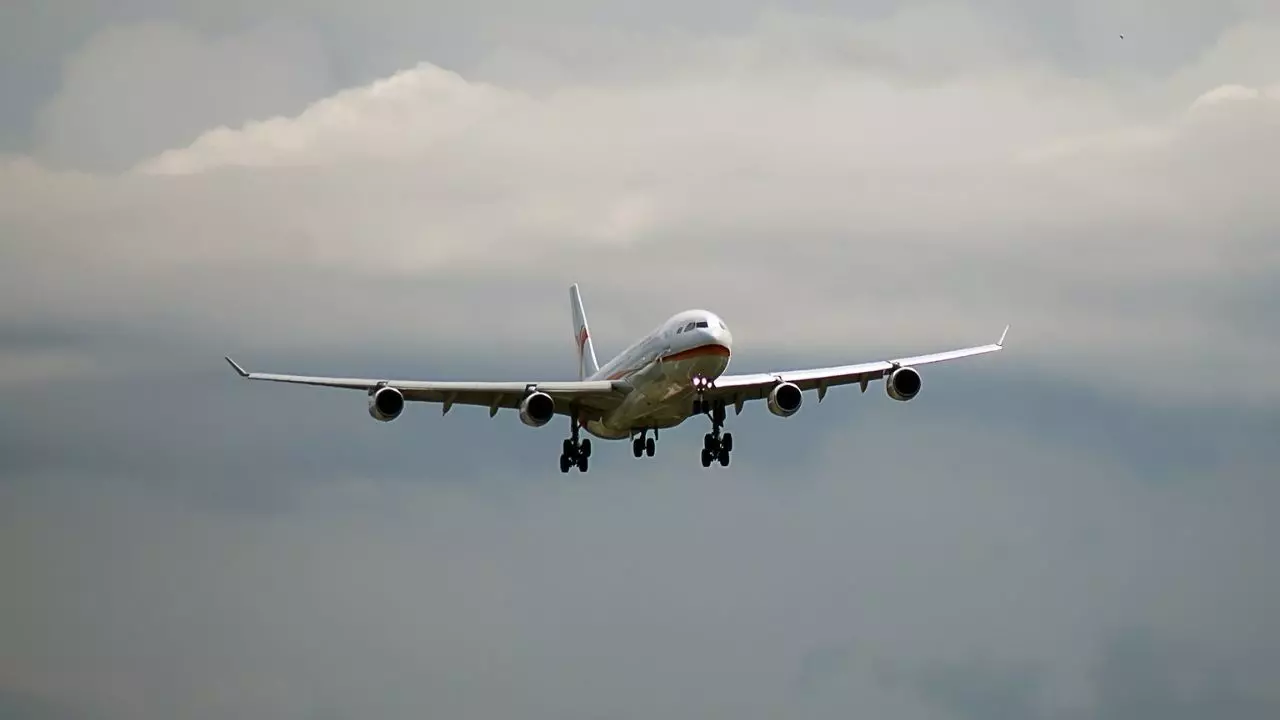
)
(575, 452)
(644, 445)
(715, 446)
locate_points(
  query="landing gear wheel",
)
(575, 452)
(706, 458)
(727, 442)
(642, 444)
(724, 458)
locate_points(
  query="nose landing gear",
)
(715, 445)
(700, 386)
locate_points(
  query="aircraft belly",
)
(660, 398)
(605, 432)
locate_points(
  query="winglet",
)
(1000, 342)
(239, 370)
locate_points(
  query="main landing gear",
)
(644, 445)
(575, 452)
(715, 446)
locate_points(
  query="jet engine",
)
(902, 384)
(785, 399)
(386, 404)
(537, 409)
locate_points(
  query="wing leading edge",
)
(756, 386)
(599, 395)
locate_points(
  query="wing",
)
(592, 398)
(740, 388)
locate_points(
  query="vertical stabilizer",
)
(587, 364)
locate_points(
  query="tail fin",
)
(587, 364)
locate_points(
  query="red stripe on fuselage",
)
(700, 351)
(710, 349)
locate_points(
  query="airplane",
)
(675, 372)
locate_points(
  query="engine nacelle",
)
(902, 384)
(537, 409)
(386, 404)
(785, 399)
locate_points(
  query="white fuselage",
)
(660, 368)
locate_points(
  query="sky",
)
(1078, 527)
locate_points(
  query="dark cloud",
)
(181, 418)
(1138, 674)
(31, 336)
(386, 577)
(975, 690)
(21, 705)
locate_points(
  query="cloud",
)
(912, 205)
(136, 89)
(406, 114)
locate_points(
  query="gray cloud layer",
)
(1076, 528)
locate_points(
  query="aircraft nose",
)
(722, 336)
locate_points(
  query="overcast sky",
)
(1079, 527)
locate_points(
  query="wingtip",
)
(239, 370)
(1000, 342)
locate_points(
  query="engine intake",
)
(386, 404)
(537, 409)
(785, 399)
(902, 384)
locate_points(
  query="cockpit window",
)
(689, 327)
(722, 325)
(702, 323)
